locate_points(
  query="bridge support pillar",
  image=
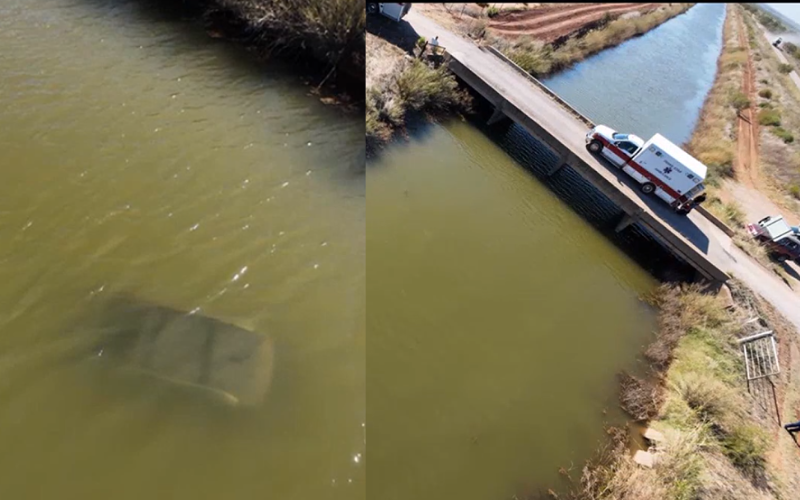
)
(563, 161)
(555, 168)
(498, 115)
(625, 221)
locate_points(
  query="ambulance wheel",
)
(648, 188)
(372, 8)
(595, 146)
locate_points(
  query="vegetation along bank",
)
(399, 85)
(715, 439)
(325, 36)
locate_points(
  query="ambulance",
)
(660, 166)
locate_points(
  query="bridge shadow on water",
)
(583, 197)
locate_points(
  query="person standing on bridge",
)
(434, 43)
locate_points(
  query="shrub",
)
(477, 29)
(792, 49)
(492, 11)
(745, 446)
(794, 190)
(785, 68)
(765, 93)
(734, 214)
(769, 117)
(535, 63)
(708, 397)
(639, 398)
(423, 88)
(733, 59)
(764, 81)
(719, 160)
(765, 105)
(421, 41)
(783, 134)
(740, 101)
(482, 5)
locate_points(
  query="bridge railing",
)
(577, 114)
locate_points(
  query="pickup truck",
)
(781, 239)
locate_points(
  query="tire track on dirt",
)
(536, 18)
(746, 168)
(551, 31)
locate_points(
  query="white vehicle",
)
(660, 166)
(394, 11)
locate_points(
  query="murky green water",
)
(498, 319)
(141, 158)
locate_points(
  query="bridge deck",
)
(530, 104)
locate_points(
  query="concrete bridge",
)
(519, 97)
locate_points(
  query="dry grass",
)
(640, 398)
(769, 117)
(412, 86)
(715, 447)
(329, 33)
(713, 140)
(779, 153)
(730, 213)
(332, 24)
(541, 59)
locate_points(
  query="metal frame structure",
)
(760, 355)
(761, 362)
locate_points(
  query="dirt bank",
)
(325, 38)
(719, 440)
(553, 23)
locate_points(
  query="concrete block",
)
(725, 295)
(653, 435)
(644, 459)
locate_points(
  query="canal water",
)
(500, 307)
(653, 84)
(143, 160)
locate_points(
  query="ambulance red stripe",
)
(652, 178)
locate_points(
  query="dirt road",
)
(746, 168)
(781, 56)
(556, 21)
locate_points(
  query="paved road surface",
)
(695, 228)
